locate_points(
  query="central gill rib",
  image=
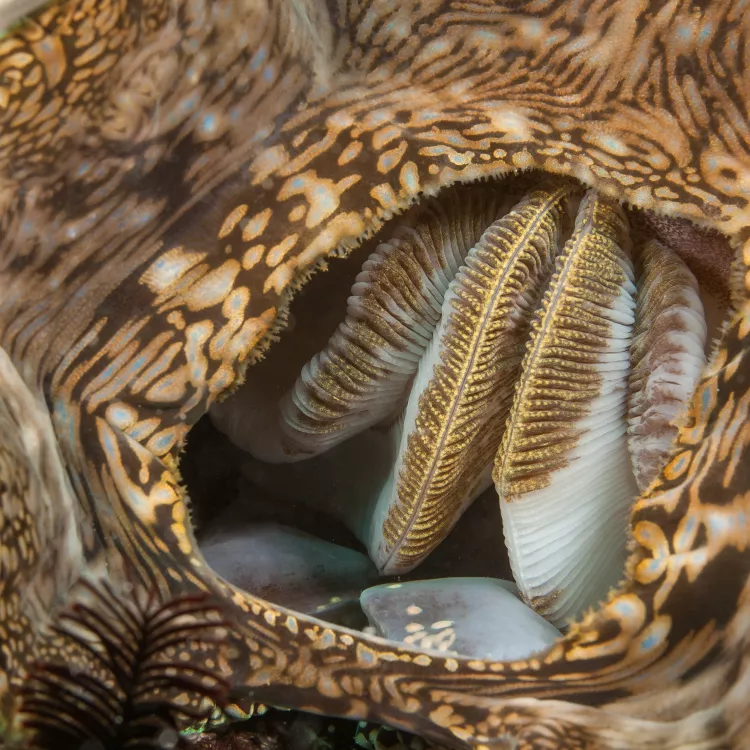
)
(456, 413)
(362, 376)
(563, 472)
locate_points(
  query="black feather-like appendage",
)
(126, 675)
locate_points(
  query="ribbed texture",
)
(363, 374)
(563, 472)
(667, 356)
(455, 415)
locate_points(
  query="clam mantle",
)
(173, 171)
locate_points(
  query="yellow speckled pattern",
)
(364, 371)
(563, 473)
(455, 420)
(171, 170)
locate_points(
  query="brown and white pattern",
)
(563, 472)
(171, 171)
(668, 356)
(455, 416)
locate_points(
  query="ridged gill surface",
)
(563, 473)
(455, 416)
(361, 377)
(668, 356)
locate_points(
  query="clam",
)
(491, 340)
(174, 175)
